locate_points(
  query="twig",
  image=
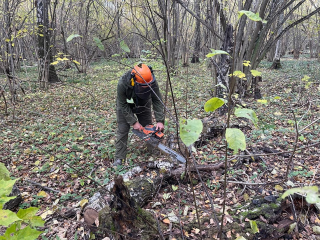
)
(43, 187)
(205, 189)
(309, 125)
(181, 227)
(278, 153)
(294, 148)
(247, 183)
(195, 202)
(159, 228)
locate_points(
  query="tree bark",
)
(47, 72)
(197, 33)
(276, 60)
(224, 67)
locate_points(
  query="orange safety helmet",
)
(142, 74)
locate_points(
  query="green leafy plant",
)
(311, 192)
(16, 222)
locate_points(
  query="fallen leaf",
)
(42, 194)
(246, 197)
(167, 221)
(196, 230)
(278, 188)
(316, 229)
(83, 202)
(46, 213)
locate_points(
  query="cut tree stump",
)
(123, 219)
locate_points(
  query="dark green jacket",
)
(126, 92)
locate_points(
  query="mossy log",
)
(124, 218)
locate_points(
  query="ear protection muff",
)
(133, 79)
(150, 69)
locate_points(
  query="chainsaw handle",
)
(151, 129)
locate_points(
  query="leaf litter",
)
(64, 137)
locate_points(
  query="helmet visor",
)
(144, 91)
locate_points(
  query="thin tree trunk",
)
(276, 60)
(47, 72)
(224, 67)
(196, 50)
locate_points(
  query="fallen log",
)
(142, 189)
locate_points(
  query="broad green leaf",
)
(253, 16)
(215, 52)
(247, 113)
(7, 217)
(28, 234)
(124, 46)
(10, 231)
(6, 187)
(236, 139)
(254, 226)
(4, 199)
(311, 192)
(99, 43)
(238, 74)
(28, 213)
(190, 131)
(72, 36)
(36, 221)
(213, 104)
(174, 188)
(4, 173)
(255, 73)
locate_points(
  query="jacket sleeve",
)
(157, 105)
(122, 103)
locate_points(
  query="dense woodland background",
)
(60, 62)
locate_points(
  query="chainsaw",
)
(151, 136)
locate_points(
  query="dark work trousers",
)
(144, 115)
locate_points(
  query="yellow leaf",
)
(246, 197)
(167, 221)
(51, 158)
(54, 63)
(76, 62)
(186, 233)
(27, 151)
(7, 40)
(59, 59)
(45, 214)
(65, 59)
(37, 163)
(42, 194)
(83, 202)
(278, 188)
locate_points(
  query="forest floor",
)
(63, 139)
